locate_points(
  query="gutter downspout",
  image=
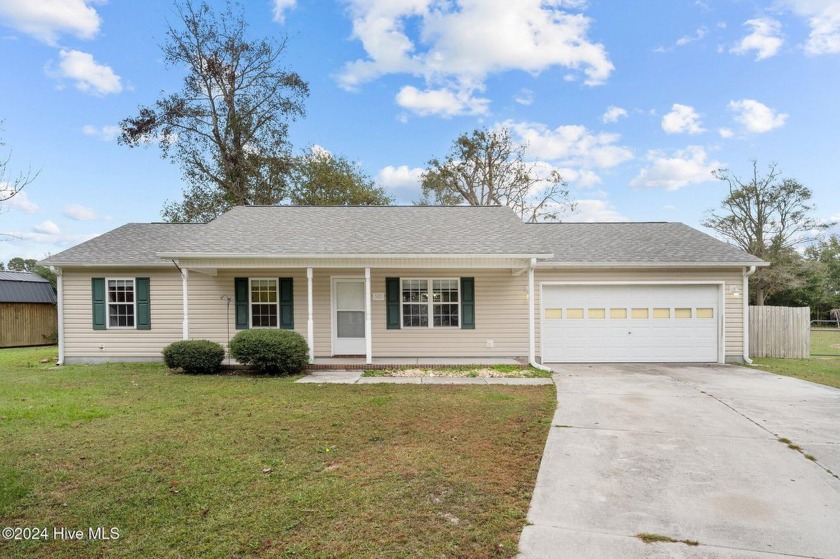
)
(532, 343)
(746, 291)
(60, 305)
(185, 294)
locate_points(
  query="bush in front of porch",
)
(282, 352)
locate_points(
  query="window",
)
(618, 313)
(639, 313)
(436, 298)
(682, 313)
(661, 313)
(574, 313)
(553, 313)
(121, 303)
(597, 313)
(264, 303)
(705, 313)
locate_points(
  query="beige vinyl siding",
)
(734, 310)
(81, 341)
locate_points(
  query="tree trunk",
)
(759, 296)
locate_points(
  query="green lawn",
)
(825, 342)
(824, 370)
(239, 466)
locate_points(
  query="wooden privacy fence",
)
(780, 332)
(25, 324)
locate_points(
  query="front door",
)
(348, 316)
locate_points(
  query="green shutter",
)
(241, 295)
(468, 303)
(392, 303)
(287, 304)
(97, 286)
(143, 320)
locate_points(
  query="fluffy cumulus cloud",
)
(725, 132)
(79, 212)
(613, 113)
(524, 97)
(87, 75)
(682, 119)
(756, 117)
(280, 9)
(403, 181)
(47, 228)
(676, 170)
(107, 133)
(596, 210)
(571, 145)
(823, 17)
(454, 46)
(17, 201)
(765, 38)
(441, 102)
(46, 20)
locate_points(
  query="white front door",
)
(348, 316)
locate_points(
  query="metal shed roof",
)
(25, 287)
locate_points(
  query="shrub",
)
(194, 356)
(281, 352)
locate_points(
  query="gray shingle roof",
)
(631, 243)
(381, 230)
(133, 243)
(25, 287)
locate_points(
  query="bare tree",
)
(228, 126)
(12, 183)
(767, 216)
(487, 168)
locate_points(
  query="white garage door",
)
(626, 323)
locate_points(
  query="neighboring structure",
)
(27, 310)
(408, 282)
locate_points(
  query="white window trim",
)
(251, 304)
(431, 303)
(108, 304)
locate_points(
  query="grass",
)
(822, 370)
(469, 371)
(659, 538)
(239, 466)
(825, 342)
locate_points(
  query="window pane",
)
(415, 315)
(574, 313)
(445, 315)
(121, 303)
(618, 313)
(597, 313)
(682, 313)
(705, 313)
(350, 324)
(415, 291)
(264, 316)
(553, 313)
(661, 313)
(640, 313)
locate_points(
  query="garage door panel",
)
(662, 336)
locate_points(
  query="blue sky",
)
(635, 106)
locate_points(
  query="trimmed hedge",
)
(281, 352)
(194, 356)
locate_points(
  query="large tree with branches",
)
(487, 168)
(767, 216)
(228, 125)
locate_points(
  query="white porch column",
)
(532, 344)
(368, 341)
(310, 324)
(185, 326)
(60, 304)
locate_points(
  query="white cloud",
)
(107, 133)
(280, 9)
(46, 20)
(454, 46)
(89, 76)
(682, 119)
(441, 102)
(525, 96)
(403, 181)
(725, 132)
(683, 167)
(686, 39)
(79, 212)
(613, 113)
(571, 145)
(595, 210)
(19, 201)
(47, 228)
(756, 117)
(824, 19)
(765, 38)
(580, 178)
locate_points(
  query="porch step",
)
(350, 366)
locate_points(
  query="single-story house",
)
(408, 281)
(27, 310)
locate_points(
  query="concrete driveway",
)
(688, 452)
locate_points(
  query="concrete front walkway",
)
(355, 377)
(688, 452)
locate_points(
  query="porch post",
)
(310, 324)
(368, 341)
(532, 345)
(60, 305)
(185, 276)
